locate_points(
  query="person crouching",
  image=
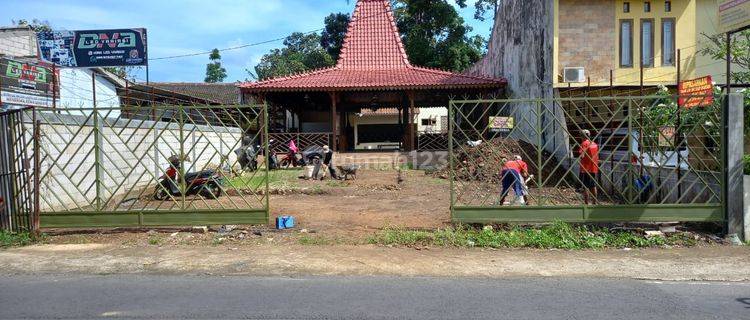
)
(513, 174)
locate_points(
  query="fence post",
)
(451, 166)
(37, 175)
(97, 145)
(737, 219)
(183, 184)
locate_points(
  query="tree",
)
(717, 49)
(435, 35)
(35, 24)
(332, 37)
(214, 71)
(302, 52)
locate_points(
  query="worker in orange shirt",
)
(513, 174)
(589, 155)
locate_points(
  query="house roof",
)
(372, 58)
(222, 93)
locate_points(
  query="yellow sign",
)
(733, 14)
(501, 123)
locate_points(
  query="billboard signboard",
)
(696, 93)
(733, 14)
(26, 84)
(94, 48)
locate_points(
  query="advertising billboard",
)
(94, 48)
(733, 14)
(696, 93)
(26, 84)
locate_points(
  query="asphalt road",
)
(204, 297)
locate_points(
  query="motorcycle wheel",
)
(160, 194)
(285, 163)
(211, 191)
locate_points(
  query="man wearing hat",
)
(328, 161)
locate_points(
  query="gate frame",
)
(600, 213)
(96, 219)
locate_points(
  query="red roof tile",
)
(372, 57)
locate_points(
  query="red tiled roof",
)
(372, 57)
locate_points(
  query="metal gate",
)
(15, 174)
(657, 162)
(152, 165)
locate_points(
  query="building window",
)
(626, 43)
(667, 42)
(667, 6)
(429, 122)
(647, 6)
(647, 43)
(626, 7)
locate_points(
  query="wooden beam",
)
(410, 123)
(334, 123)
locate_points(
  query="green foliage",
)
(436, 36)
(12, 239)
(332, 37)
(302, 52)
(35, 24)
(214, 71)
(740, 49)
(558, 235)
(746, 162)
(483, 9)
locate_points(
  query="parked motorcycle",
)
(206, 183)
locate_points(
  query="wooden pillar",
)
(334, 123)
(410, 121)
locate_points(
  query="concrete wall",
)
(76, 92)
(129, 156)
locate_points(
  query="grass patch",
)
(257, 180)
(317, 240)
(558, 235)
(13, 239)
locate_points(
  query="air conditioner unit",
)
(576, 74)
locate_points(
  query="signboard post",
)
(94, 48)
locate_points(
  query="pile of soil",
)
(485, 162)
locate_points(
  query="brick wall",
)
(587, 37)
(18, 42)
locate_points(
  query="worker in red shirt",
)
(589, 154)
(513, 174)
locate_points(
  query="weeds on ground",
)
(558, 235)
(318, 240)
(154, 241)
(13, 239)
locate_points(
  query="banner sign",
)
(501, 123)
(666, 136)
(94, 48)
(733, 14)
(696, 93)
(26, 84)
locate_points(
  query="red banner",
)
(696, 93)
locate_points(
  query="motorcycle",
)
(206, 183)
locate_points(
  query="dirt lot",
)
(374, 200)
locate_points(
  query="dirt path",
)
(708, 263)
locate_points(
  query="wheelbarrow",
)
(349, 170)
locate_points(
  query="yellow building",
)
(616, 37)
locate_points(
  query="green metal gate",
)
(103, 167)
(657, 162)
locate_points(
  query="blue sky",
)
(189, 26)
